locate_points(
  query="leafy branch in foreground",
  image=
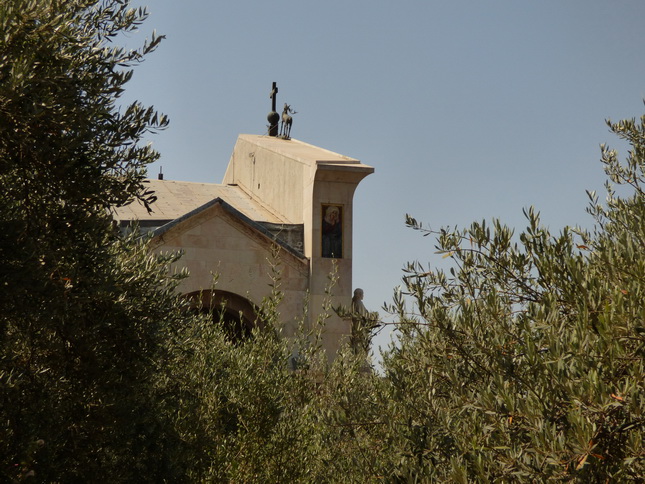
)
(83, 312)
(525, 359)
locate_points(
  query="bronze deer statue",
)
(285, 128)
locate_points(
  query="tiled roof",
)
(177, 198)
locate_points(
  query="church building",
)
(281, 202)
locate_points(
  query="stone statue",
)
(357, 303)
(286, 121)
(362, 324)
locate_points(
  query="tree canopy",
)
(83, 310)
(525, 360)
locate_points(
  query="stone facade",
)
(275, 194)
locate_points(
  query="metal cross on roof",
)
(273, 117)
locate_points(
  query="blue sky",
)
(466, 109)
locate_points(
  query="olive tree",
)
(84, 312)
(525, 359)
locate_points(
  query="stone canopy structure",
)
(276, 194)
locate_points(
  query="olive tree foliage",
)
(84, 313)
(272, 408)
(526, 359)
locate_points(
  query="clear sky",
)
(466, 109)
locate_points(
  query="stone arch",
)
(238, 314)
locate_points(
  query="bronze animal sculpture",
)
(285, 128)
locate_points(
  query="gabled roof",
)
(177, 198)
(276, 233)
(178, 201)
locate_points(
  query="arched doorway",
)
(238, 315)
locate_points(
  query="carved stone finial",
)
(273, 117)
